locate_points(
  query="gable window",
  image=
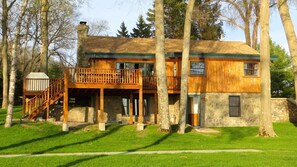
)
(250, 69)
(234, 106)
(197, 68)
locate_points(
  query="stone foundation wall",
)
(283, 110)
(113, 108)
(215, 109)
(81, 114)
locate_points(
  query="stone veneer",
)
(215, 110)
(283, 110)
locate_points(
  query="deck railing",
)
(150, 82)
(105, 76)
(42, 100)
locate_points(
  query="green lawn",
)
(36, 138)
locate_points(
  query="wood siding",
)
(225, 76)
(222, 75)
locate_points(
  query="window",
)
(197, 68)
(234, 106)
(250, 69)
(147, 68)
(126, 106)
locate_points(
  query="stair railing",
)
(46, 98)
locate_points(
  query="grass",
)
(37, 138)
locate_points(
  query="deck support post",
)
(24, 98)
(96, 107)
(140, 125)
(156, 108)
(131, 109)
(65, 127)
(101, 113)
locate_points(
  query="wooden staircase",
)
(45, 99)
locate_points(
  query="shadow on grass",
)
(32, 141)
(81, 160)
(163, 138)
(239, 133)
(110, 130)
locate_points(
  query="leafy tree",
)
(205, 24)
(56, 69)
(282, 77)
(123, 32)
(142, 30)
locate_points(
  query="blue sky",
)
(117, 11)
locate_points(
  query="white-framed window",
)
(197, 68)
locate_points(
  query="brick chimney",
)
(82, 32)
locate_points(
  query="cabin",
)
(115, 81)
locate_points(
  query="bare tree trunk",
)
(266, 127)
(15, 52)
(44, 36)
(185, 64)
(256, 24)
(4, 54)
(290, 34)
(161, 67)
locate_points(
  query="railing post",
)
(48, 101)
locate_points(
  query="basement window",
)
(234, 106)
(250, 69)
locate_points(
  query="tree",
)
(98, 27)
(266, 127)
(4, 51)
(44, 35)
(15, 53)
(174, 15)
(142, 30)
(123, 32)
(243, 14)
(62, 24)
(184, 72)
(290, 34)
(282, 76)
(206, 23)
(162, 91)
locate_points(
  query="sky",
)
(117, 11)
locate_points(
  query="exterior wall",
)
(113, 108)
(283, 110)
(224, 76)
(81, 114)
(215, 108)
(174, 109)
